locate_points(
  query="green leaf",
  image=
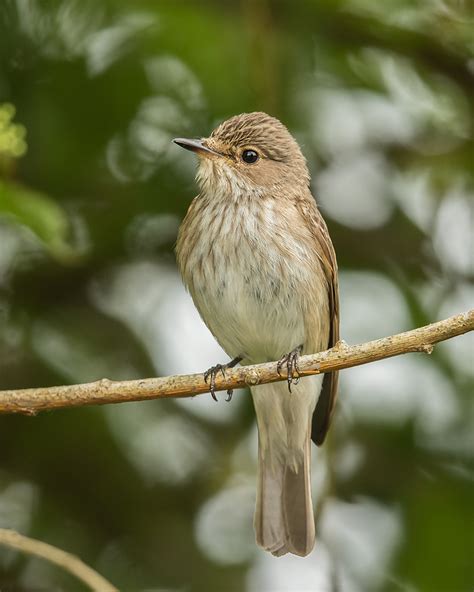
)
(39, 213)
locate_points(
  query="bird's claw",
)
(213, 371)
(210, 375)
(290, 360)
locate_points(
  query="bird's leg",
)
(210, 375)
(290, 360)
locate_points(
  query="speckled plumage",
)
(257, 259)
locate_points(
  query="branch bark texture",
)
(31, 401)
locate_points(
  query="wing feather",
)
(327, 257)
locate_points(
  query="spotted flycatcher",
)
(256, 256)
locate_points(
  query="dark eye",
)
(249, 156)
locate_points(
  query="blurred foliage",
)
(12, 136)
(40, 214)
(160, 495)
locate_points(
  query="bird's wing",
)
(327, 257)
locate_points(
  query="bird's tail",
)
(284, 521)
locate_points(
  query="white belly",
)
(251, 315)
(251, 297)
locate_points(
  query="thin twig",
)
(32, 401)
(68, 562)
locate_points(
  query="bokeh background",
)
(160, 495)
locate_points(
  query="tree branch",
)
(31, 401)
(68, 562)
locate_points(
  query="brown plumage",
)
(256, 256)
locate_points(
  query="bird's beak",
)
(196, 146)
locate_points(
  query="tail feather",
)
(284, 521)
(298, 506)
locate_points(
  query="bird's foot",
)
(210, 376)
(213, 371)
(290, 360)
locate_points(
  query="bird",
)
(255, 254)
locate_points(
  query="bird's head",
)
(251, 153)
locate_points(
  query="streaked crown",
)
(258, 149)
(257, 130)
